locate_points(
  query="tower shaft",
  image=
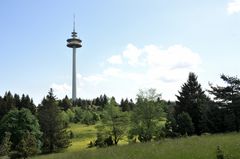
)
(74, 80)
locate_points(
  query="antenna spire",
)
(74, 22)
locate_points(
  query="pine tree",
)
(191, 99)
(65, 104)
(131, 104)
(55, 136)
(26, 102)
(228, 97)
(105, 100)
(125, 105)
(7, 103)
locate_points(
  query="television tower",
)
(74, 43)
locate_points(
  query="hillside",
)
(203, 147)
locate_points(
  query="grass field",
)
(83, 134)
(195, 147)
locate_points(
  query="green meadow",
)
(195, 147)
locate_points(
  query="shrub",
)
(5, 145)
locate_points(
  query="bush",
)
(103, 140)
(88, 118)
(99, 142)
(28, 146)
(91, 144)
(71, 115)
(185, 125)
(160, 134)
(71, 134)
(219, 153)
(78, 114)
(85, 116)
(18, 123)
(5, 145)
(65, 117)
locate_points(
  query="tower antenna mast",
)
(74, 22)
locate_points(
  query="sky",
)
(127, 45)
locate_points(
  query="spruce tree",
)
(191, 99)
(6, 104)
(125, 105)
(65, 104)
(55, 135)
(27, 102)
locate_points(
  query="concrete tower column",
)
(74, 80)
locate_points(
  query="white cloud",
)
(61, 90)
(162, 68)
(233, 7)
(115, 59)
(115, 72)
(94, 79)
(174, 57)
(132, 53)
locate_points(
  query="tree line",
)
(193, 113)
(27, 129)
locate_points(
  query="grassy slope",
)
(203, 147)
(83, 134)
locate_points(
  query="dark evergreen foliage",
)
(191, 99)
(9, 102)
(100, 101)
(26, 102)
(127, 105)
(6, 104)
(184, 124)
(55, 135)
(65, 103)
(228, 97)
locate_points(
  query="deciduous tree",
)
(146, 115)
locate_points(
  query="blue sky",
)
(127, 45)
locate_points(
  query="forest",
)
(27, 129)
